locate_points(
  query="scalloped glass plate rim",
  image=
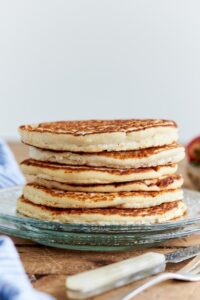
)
(100, 228)
(144, 239)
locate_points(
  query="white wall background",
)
(79, 59)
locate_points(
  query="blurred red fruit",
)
(193, 150)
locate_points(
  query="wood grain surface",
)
(49, 267)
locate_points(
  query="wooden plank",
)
(22, 242)
(53, 285)
(43, 260)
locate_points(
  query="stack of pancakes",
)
(103, 172)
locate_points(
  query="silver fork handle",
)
(160, 278)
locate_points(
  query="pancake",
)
(99, 135)
(115, 216)
(87, 175)
(168, 182)
(62, 199)
(114, 159)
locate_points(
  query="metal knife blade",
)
(182, 254)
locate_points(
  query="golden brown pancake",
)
(157, 214)
(90, 175)
(99, 135)
(168, 182)
(142, 158)
(62, 199)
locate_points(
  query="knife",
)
(94, 282)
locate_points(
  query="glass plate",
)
(95, 237)
(94, 241)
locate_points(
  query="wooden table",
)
(49, 267)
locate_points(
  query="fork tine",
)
(195, 271)
(191, 265)
(191, 272)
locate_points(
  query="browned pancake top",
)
(138, 153)
(126, 154)
(95, 197)
(161, 182)
(70, 169)
(127, 212)
(166, 181)
(97, 126)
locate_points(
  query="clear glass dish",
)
(94, 241)
(95, 237)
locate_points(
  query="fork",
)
(191, 272)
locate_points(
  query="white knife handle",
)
(90, 283)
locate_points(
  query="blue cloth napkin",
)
(14, 283)
(10, 173)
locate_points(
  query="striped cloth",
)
(14, 283)
(10, 174)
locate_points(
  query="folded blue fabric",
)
(14, 283)
(10, 173)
